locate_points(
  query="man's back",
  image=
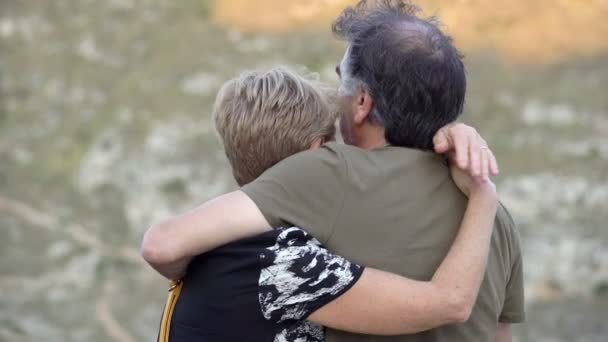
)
(394, 209)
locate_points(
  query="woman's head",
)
(265, 117)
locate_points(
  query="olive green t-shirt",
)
(394, 209)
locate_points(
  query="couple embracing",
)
(395, 235)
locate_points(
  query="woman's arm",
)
(383, 303)
(170, 245)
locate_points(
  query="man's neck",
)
(371, 137)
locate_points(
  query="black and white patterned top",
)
(261, 289)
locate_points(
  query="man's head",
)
(400, 73)
(264, 117)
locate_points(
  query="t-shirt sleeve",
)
(513, 310)
(300, 276)
(304, 190)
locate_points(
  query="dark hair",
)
(412, 70)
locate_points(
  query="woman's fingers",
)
(493, 163)
(485, 164)
(469, 150)
(474, 157)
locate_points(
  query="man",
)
(276, 285)
(401, 81)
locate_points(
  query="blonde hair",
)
(265, 117)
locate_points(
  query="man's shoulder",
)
(330, 154)
(338, 152)
(327, 162)
(504, 220)
(507, 230)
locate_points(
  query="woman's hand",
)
(471, 186)
(467, 150)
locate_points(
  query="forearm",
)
(504, 333)
(383, 303)
(459, 276)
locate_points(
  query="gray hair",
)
(351, 84)
(410, 68)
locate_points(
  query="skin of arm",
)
(504, 333)
(399, 305)
(168, 247)
(379, 303)
(382, 303)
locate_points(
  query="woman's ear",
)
(364, 107)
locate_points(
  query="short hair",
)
(411, 69)
(265, 117)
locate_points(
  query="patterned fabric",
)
(298, 277)
(303, 332)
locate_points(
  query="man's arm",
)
(168, 247)
(382, 303)
(504, 333)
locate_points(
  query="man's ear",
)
(364, 107)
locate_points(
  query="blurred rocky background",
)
(105, 128)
